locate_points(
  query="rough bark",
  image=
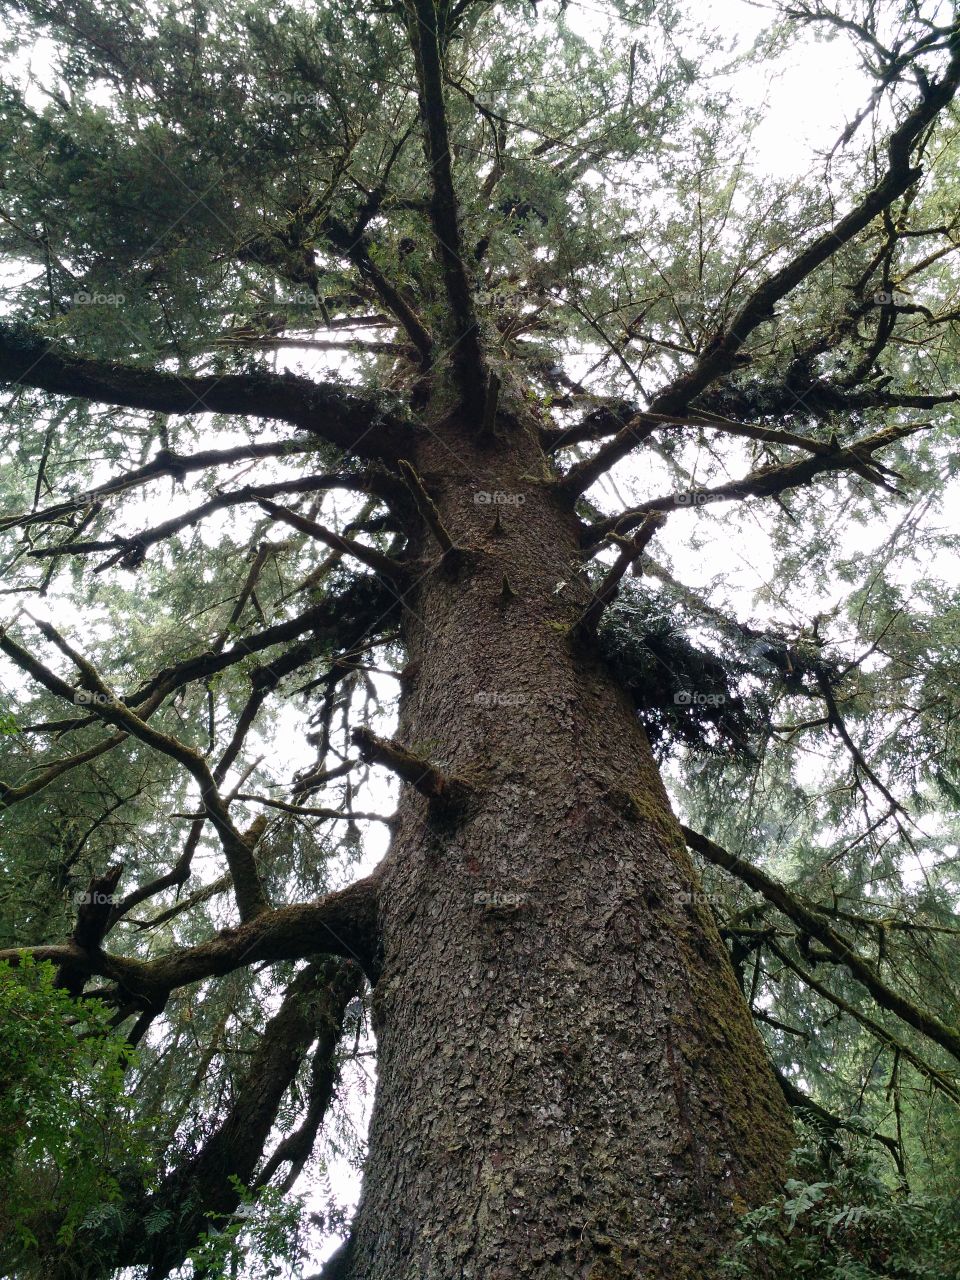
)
(570, 1084)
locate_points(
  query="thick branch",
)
(422, 24)
(93, 918)
(341, 924)
(348, 421)
(720, 356)
(583, 474)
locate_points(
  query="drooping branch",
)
(295, 1149)
(251, 900)
(940, 1081)
(340, 621)
(840, 949)
(835, 720)
(343, 618)
(801, 1101)
(14, 794)
(348, 421)
(203, 1189)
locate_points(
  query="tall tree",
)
(388, 305)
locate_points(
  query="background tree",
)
(334, 340)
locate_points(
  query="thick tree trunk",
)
(570, 1084)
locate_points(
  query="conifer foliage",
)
(430, 393)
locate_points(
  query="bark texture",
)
(570, 1084)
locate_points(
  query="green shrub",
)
(68, 1142)
(840, 1218)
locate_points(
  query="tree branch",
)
(944, 1083)
(445, 790)
(341, 924)
(369, 556)
(720, 356)
(165, 463)
(428, 511)
(768, 482)
(632, 549)
(248, 889)
(423, 20)
(348, 421)
(204, 1187)
(921, 1020)
(131, 548)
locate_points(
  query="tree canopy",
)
(253, 254)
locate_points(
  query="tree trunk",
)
(570, 1083)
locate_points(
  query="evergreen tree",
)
(374, 377)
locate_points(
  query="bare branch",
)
(445, 790)
(369, 556)
(428, 510)
(631, 551)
